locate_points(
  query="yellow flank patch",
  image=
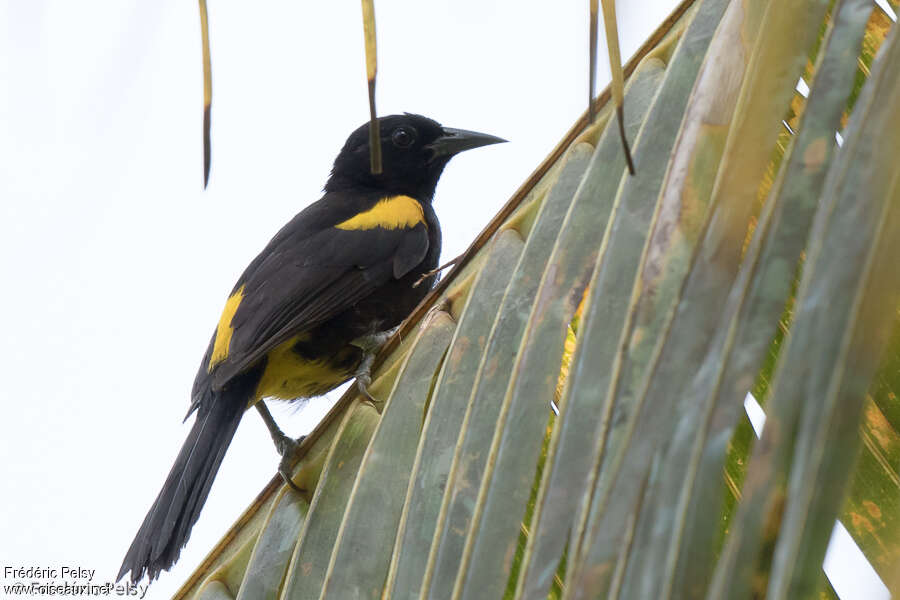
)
(288, 375)
(224, 330)
(389, 213)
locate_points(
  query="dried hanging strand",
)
(207, 92)
(368, 10)
(618, 79)
(592, 61)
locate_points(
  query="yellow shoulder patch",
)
(390, 213)
(224, 330)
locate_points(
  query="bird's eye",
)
(403, 137)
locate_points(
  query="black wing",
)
(312, 271)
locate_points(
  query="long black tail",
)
(167, 526)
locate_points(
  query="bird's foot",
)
(364, 376)
(289, 448)
(369, 344)
(286, 446)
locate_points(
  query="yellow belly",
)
(288, 375)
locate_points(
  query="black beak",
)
(455, 141)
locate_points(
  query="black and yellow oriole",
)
(341, 271)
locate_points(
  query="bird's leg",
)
(286, 446)
(428, 274)
(369, 344)
(364, 375)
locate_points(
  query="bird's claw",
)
(289, 449)
(363, 381)
(286, 477)
(369, 344)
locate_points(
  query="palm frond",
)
(749, 253)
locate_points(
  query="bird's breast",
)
(295, 369)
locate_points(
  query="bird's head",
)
(414, 152)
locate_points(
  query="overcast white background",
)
(115, 262)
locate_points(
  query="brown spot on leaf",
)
(815, 155)
(872, 509)
(459, 350)
(878, 427)
(508, 558)
(491, 367)
(861, 523)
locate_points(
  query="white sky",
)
(116, 264)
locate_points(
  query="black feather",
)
(295, 287)
(167, 526)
